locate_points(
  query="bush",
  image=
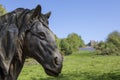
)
(70, 44)
(65, 47)
(111, 46)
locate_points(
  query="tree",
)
(70, 44)
(2, 10)
(65, 47)
(75, 41)
(114, 38)
(105, 48)
(111, 46)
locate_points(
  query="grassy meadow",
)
(78, 66)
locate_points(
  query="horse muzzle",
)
(54, 71)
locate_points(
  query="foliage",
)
(75, 41)
(105, 48)
(70, 44)
(111, 46)
(65, 47)
(2, 10)
(114, 38)
(78, 66)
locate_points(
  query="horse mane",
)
(6, 17)
(17, 17)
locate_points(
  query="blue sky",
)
(91, 19)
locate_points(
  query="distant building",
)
(92, 43)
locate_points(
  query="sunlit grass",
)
(79, 66)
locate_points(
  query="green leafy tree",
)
(114, 38)
(106, 48)
(70, 44)
(75, 41)
(2, 10)
(65, 47)
(111, 46)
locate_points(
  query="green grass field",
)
(78, 66)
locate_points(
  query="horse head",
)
(40, 42)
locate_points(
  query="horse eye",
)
(42, 35)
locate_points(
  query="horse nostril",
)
(56, 61)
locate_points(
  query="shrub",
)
(111, 46)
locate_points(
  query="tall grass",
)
(79, 66)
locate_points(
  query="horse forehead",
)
(41, 28)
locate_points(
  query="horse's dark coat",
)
(23, 33)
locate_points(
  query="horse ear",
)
(47, 15)
(36, 12)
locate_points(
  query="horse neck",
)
(18, 61)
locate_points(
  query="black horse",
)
(25, 33)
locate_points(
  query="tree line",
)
(111, 46)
